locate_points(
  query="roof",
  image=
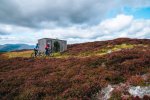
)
(51, 39)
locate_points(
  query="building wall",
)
(42, 43)
(64, 45)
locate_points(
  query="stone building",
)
(56, 45)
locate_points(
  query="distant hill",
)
(12, 47)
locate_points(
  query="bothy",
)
(56, 45)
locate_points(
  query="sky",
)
(77, 21)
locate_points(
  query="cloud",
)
(49, 12)
(25, 21)
(119, 26)
(125, 26)
(136, 3)
(56, 13)
(3, 33)
(116, 24)
(6, 29)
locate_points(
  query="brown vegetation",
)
(72, 78)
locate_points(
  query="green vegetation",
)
(115, 96)
(109, 49)
(25, 54)
(103, 51)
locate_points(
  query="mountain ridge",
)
(14, 47)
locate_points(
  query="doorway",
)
(56, 46)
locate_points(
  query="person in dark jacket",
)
(36, 49)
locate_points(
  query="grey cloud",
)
(4, 33)
(136, 3)
(33, 13)
(147, 36)
(8, 12)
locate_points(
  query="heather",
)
(77, 76)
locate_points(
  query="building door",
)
(56, 46)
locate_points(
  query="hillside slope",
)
(80, 76)
(76, 49)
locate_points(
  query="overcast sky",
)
(25, 21)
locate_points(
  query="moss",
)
(118, 80)
(115, 80)
(56, 54)
(115, 96)
(88, 53)
(96, 63)
(30, 94)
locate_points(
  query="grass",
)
(27, 54)
(59, 55)
(100, 52)
(110, 49)
(18, 54)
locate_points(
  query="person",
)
(47, 48)
(36, 49)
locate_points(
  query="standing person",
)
(36, 49)
(47, 48)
